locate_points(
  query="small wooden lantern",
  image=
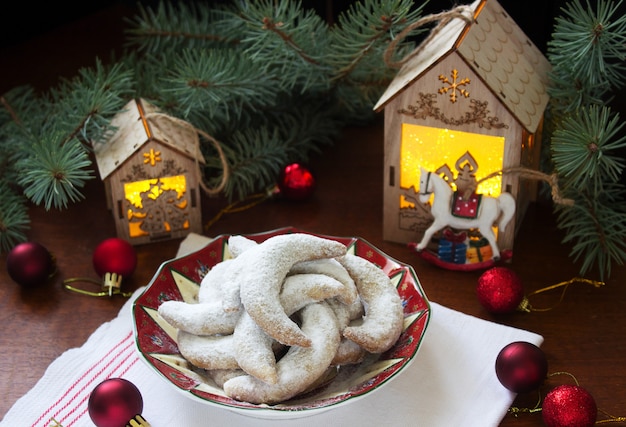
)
(470, 101)
(150, 170)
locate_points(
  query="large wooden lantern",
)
(468, 104)
(150, 171)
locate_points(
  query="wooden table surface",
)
(583, 334)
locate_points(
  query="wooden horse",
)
(492, 211)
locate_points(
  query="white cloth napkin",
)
(451, 382)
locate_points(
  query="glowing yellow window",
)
(157, 205)
(434, 148)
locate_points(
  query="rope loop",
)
(154, 119)
(463, 12)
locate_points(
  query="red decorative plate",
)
(179, 279)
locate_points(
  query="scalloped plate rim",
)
(278, 412)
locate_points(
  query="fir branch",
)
(308, 129)
(569, 93)
(173, 26)
(20, 118)
(14, 220)
(364, 31)
(19, 111)
(586, 154)
(586, 149)
(83, 107)
(290, 41)
(218, 83)
(255, 159)
(7, 107)
(55, 172)
(590, 43)
(587, 53)
(596, 226)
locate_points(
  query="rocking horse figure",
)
(490, 211)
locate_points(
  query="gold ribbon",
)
(111, 285)
(527, 307)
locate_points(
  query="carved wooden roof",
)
(134, 127)
(498, 51)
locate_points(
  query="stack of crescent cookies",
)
(272, 319)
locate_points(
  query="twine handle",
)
(463, 12)
(153, 117)
(551, 179)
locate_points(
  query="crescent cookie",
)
(346, 313)
(384, 315)
(300, 367)
(220, 376)
(211, 285)
(208, 352)
(330, 267)
(207, 317)
(238, 244)
(254, 348)
(260, 272)
(348, 353)
(199, 319)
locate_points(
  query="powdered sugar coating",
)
(253, 347)
(300, 367)
(208, 352)
(332, 268)
(206, 318)
(384, 316)
(261, 272)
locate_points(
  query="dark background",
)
(45, 35)
(24, 20)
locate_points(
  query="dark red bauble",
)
(521, 366)
(114, 402)
(569, 406)
(30, 264)
(500, 290)
(115, 255)
(296, 182)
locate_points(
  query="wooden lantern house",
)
(150, 171)
(471, 100)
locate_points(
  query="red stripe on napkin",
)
(73, 402)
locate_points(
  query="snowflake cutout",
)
(152, 157)
(454, 86)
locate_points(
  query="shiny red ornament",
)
(569, 406)
(500, 290)
(30, 264)
(521, 366)
(114, 402)
(114, 255)
(296, 182)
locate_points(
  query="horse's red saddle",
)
(465, 207)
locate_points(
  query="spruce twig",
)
(257, 76)
(588, 53)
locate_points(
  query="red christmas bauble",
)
(114, 402)
(500, 290)
(115, 255)
(521, 366)
(296, 182)
(569, 406)
(30, 264)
